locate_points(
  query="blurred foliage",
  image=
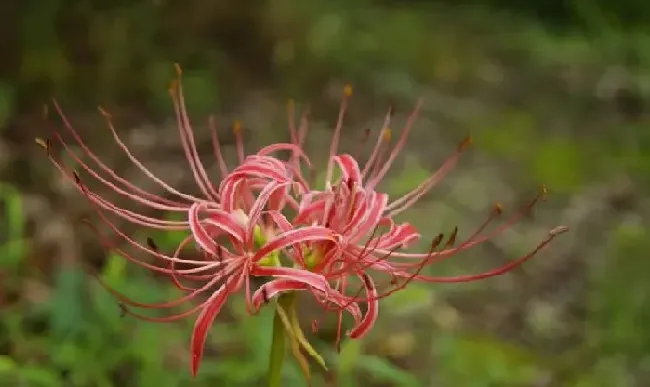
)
(120, 53)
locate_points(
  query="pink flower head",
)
(264, 219)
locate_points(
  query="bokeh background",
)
(553, 92)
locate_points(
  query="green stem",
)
(279, 342)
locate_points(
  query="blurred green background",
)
(554, 92)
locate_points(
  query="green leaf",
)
(304, 343)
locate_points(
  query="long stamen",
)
(398, 146)
(187, 139)
(134, 243)
(138, 163)
(68, 126)
(478, 240)
(127, 215)
(237, 130)
(410, 198)
(347, 93)
(502, 269)
(445, 253)
(373, 155)
(216, 147)
(135, 197)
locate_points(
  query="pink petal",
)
(206, 318)
(228, 190)
(198, 231)
(226, 223)
(312, 279)
(399, 235)
(284, 225)
(218, 219)
(372, 313)
(349, 168)
(258, 206)
(275, 287)
(247, 170)
(377, 205)
(310, 212)
(283, 146)
(301, 235)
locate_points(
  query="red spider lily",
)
(242, 229)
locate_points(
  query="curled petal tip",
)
(196, 360)
(178, 69)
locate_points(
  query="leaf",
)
(287, 301)
(300, 336)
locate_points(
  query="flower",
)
(264, 219)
